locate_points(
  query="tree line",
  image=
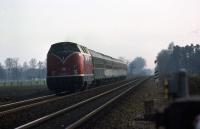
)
(11, 69)
(175, 57)
(137, 67)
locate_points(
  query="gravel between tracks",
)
(123, 115)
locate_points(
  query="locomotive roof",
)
(94, 53)
(60, 43)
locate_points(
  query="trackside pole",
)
(178, 85)
(182, 84)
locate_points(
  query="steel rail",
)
(31, 105)
(91, 114)
(65, 110)
(23, 102)
(47, 100)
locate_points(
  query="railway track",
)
(24, 102)
(29, 102)
(47, 109)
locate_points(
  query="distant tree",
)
(41, 69)
(45, 68)
(2, 72)
(25, 65)
(40, 65)
(175, 57)
(33, 63)
(12, 66)
(137, 66)
(9, 66)
(16, 69)
(147, 72)
(25, 70)
(32, 72)
(163, 60)
(13, 70)
(171, 47)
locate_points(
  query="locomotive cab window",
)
(84, 49)
(64, 47)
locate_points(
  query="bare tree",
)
(16, 69)
(33, 63)
(2, 72)
(25, 68)
(12, 68)
(40, 65)
(25, 65)
(9, 66)
(41, 69)
(32, 70)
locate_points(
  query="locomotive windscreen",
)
(64, 47)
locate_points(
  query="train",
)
(72, 67)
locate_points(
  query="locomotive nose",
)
(70, 64)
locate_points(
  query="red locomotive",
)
(71, 66)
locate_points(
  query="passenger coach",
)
(71, 66)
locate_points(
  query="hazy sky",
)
(126, 28)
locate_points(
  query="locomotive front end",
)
(65, 67)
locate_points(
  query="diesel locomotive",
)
(71, 66)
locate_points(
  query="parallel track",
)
(80, 112)
(91, 114)
(11, 115)
(31, 102)
(24, 102)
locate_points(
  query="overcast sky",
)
(119, 28)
